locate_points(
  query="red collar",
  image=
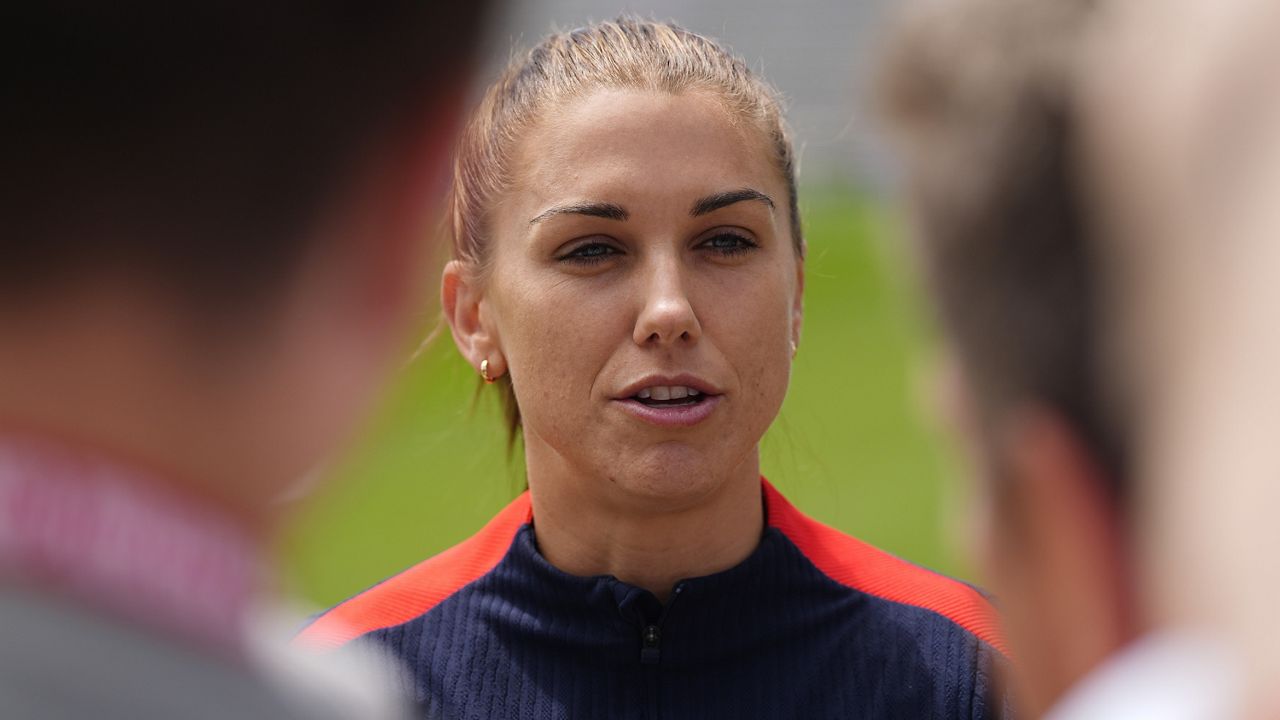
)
(110, 537)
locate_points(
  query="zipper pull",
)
(650, 637)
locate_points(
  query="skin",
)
(1050, 543)
(579, 308)
(234, 416)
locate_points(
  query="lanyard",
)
(74, 523)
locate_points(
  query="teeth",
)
(664, 392)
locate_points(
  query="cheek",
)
(750, 322)
(996, 537)
(319, 386)
(556, 337)
(1011, 573)
(992, 543)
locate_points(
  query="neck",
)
(104, 375)
(589, 525)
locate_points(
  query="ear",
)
(462, 299)
(388, 229)
(1076, 599)
(797, 305)
(1058, 480)
(411, 191)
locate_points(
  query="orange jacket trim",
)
(413, 592)
(860, 566)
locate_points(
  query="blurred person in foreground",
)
(1193, 138)
(213, 224)
(985, 100)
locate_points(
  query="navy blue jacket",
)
(814, 624)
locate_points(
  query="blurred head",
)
(980, 96)
(628, 256)
(215, 216)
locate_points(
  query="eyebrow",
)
(609, 211)
(711, 203)
(612, 211)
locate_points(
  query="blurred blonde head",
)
(981, 96)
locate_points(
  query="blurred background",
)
(856, 445)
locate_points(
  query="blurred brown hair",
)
(196, 144)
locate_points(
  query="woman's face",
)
(645, 292)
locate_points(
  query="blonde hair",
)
(623, 53)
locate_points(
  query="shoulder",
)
(422, 587)
(100, 665)
(862, 567)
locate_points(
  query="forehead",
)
(638, 148)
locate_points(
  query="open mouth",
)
(669, 396)
(672, 405)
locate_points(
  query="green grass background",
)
(855, 445)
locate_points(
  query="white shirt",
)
(1163, 676)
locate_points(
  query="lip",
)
(673, 416)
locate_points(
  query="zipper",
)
(651, 633)
(651, 653)
(650, 645)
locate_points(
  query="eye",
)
(590, 253)
(728, 244)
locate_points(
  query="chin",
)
(670, 476)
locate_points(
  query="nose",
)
(667, 317)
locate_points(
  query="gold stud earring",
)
(794, 350)
(484, 370)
